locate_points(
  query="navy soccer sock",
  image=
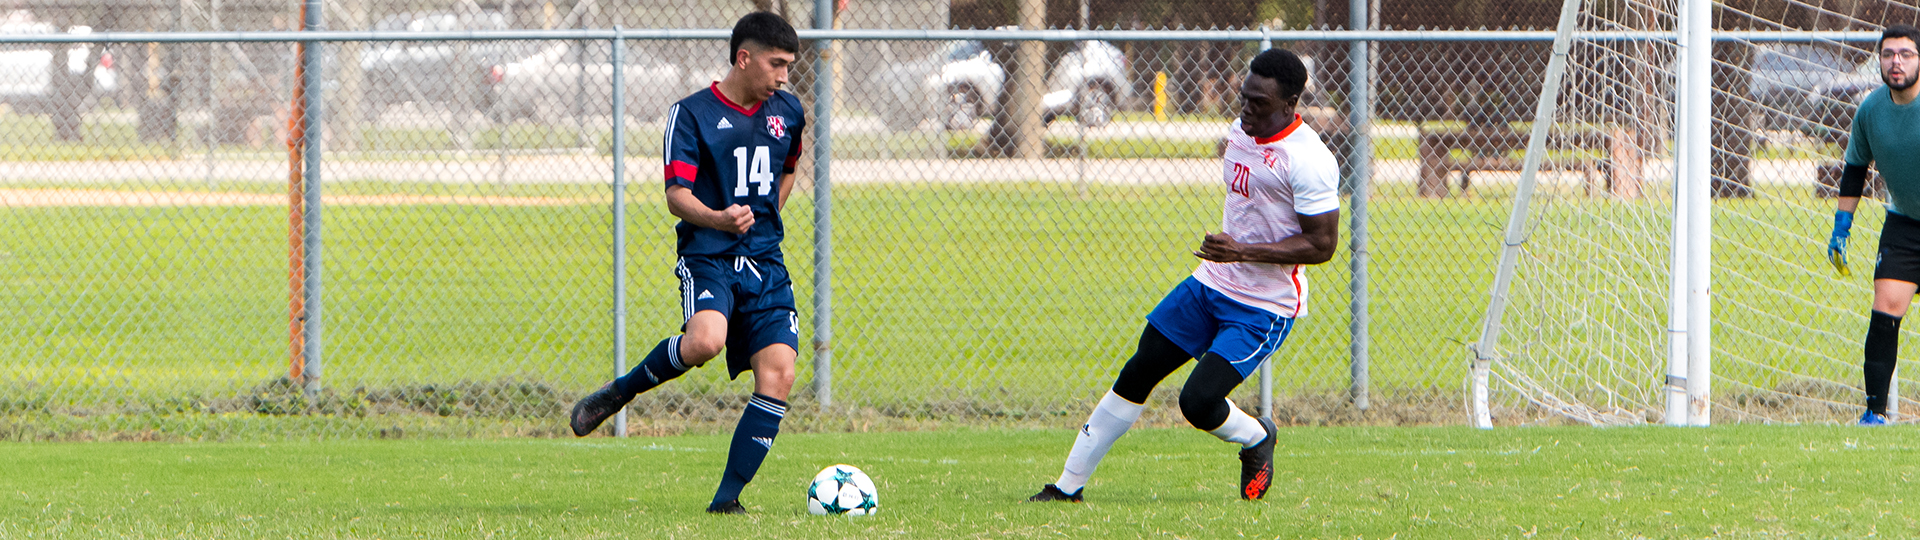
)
(751, 442)
(661, 365)
(1883, 349)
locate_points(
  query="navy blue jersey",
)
(725, 153)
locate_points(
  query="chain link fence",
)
(992, 265)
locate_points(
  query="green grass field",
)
(1005, 302)
(1722, 482)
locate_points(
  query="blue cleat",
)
(1871, 418)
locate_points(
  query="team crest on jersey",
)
(777, 125)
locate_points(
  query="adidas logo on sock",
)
(764, 441)
(650, 377)
(705, 295)
(724, 124)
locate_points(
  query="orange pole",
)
(296, 219)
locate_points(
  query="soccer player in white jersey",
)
(1282, 212)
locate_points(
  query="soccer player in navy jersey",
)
(721, 144)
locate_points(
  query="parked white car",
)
(555, 83)
(1088, 83)
(962, 82)
(27, 81)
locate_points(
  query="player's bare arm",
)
(786, 188)
(1315, 244)
(735, 219)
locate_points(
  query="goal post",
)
(1516, 233)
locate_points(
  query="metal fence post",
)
(1266, 366)
(619, 221)
(310, 127)
(211, 136)
(823, 207)
(1359, 169)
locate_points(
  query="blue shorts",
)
(754, 295)
(1202, 320)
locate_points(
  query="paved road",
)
(586, 168)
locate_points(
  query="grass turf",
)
(170, 298)
(1723, 482)
(1015, 292)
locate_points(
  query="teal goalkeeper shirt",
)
(1887, 135)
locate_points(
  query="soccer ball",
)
(842, 489)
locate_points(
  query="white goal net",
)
(1592, 315)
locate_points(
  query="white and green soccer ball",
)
(842, 490)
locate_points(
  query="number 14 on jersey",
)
(762, 171)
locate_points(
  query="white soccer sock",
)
(1109, 421)
(1240, 428)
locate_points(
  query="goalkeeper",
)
(1886, 132)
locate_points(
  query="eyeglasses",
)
(1903, 54)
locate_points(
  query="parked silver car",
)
(1831, 104)
(434, 73)
(560, 81)
(955, 85)
(961, 82)
(1783, 78)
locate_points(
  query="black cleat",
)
(1256, 465)
(1053, 493)
(595, 408)
(729, 507)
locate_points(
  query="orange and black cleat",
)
(1256, 465)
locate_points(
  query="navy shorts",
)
(754, 295)
(1202, 320)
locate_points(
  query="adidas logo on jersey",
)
(705, 295)
(724, 124)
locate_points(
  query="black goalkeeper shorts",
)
(1899, 250)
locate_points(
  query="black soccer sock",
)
(661, 365)
(751, 442)
(1883, 350)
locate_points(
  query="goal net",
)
(1589, 323)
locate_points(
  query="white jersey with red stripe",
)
(1271, 182)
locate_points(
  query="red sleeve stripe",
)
(682, 170)
(794, 156)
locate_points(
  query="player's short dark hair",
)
(1283, 67)
(1897, 31)
(766, 29)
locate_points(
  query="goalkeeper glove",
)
(1837, 245)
